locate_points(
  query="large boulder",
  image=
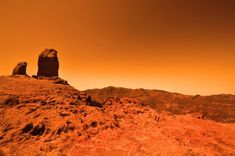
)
(20, 69)
(48, 64)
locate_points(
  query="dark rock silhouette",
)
(48, 64)
(20, 69)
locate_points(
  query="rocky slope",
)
(44, 117)
(216, 107)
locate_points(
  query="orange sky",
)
(185, 46)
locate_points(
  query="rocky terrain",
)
(215, 107)
(43, 117)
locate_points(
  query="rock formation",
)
(48, 64)
(41, 118)
(20, 69)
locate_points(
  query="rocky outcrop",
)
(20, 69)
(39, 117)
(48, 64)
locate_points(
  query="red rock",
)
(20, 69)
(44, 122)
(48, 63)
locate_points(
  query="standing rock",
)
(20, 69)
(48, 64)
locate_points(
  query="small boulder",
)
(61, 81)
(20, 69)
(88, 100)
(48, 64)
(9, 100)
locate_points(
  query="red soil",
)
(39, 117)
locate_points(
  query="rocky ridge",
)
(219, 108)
(39, 117)
(43, 115)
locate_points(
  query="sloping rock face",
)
(41, 118)
(20, 69)
(48, 63)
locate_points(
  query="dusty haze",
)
(181, 46)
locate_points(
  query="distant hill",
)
(216, 107)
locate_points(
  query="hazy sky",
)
(185, 46)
